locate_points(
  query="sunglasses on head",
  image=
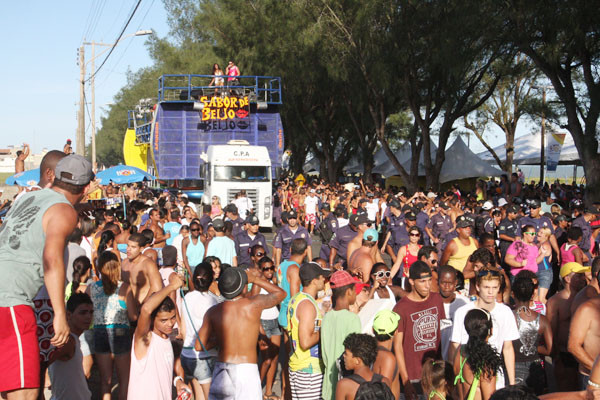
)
(486, 271)
(382, 274)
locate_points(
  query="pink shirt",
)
(152, 376)
(233, 72)
(523, 251)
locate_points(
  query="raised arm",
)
(275, 293)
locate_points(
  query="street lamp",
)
(80, 149)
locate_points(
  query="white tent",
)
(462, 163)
(527, 150)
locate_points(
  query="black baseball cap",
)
(462, 221)
(292, 214)
(394, 203)
(325, 206)
(419, 270)
(312, 270)
(252, 219)
(512, 209)
(444, 205)
(534, 203)
(357, 219)
(218, 223)
(410, 215)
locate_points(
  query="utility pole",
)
(80, 148)
(93, 108)
(543, 149)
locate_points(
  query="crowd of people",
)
(492, 293)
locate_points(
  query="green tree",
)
(562, 38)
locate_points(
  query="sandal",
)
(270, 397)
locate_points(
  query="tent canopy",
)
(527, 150)
(460, 163)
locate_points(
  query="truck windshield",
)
(242, 173)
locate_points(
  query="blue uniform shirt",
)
(238, 226)
(585, 242)
(340, 240)
(243, 244)
(284, 236)
(540, 222)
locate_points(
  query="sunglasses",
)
(415, 234)
(269, 269)
(259, 254)
(433, 261)
(382, 274)
(485, 271)
(195, 230)
(530, 233)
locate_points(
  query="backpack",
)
(375, 389)
(325, 233)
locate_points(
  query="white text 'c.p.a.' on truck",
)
(235, 167)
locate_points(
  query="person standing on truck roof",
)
(284, 236)
(232, 71)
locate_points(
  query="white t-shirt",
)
(446, 323)
(243, 204)
(504, 328)
(372, 209)
(311, 202)
(342, 222)
(67, 377)
(197, 305)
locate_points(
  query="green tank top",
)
(461, 378)
(302, 360)
(22, 241)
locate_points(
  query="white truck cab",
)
(237, 166)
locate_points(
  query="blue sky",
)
(39, 69)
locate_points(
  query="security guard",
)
(231, 212)
(284, 236)
(583, 222)
(509, 229)
(247, 239)
(539, 221)
(327, 228)
(400, 236)
(343, 236)
(439, 226)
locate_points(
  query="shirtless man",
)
(591, 290)
(584, 337)
(159, 234)
(140, 271)
(361, 261)
(559, 314)
(235, 374)
(21, 156)
(362, 224)
(385, 324)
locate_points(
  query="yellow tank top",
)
(302, 360)
(459, 260)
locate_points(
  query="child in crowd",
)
(437, 379)
(66, 363)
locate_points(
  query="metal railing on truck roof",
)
(185, 88)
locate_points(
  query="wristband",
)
(593, 384)
(177, 378)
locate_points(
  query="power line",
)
(116, 41)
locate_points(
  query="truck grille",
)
(252, 194)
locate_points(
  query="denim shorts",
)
(200, 369)
(545, 278)
(111, 340)
(271, 327)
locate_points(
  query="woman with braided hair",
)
(476, 363)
